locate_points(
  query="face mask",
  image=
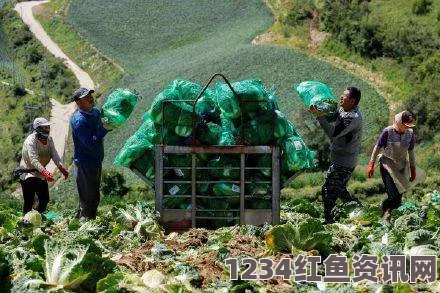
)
(41, 133)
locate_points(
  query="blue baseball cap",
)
(81, 93)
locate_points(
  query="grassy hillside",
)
(104, 72)
(393, 44)
(29, 76)
(157, 42)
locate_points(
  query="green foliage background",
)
(399, 38)
(22, 59)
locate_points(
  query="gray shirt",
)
(345, 134)
(36, 155)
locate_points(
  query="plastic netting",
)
(296, 155)
(118, 106)
(317, 94)
(221, 118)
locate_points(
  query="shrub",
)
(113, 183)
(348, 21)
(19, 90)
(367, 40)
(429, 68)
(34, 55)
(409, 40)
(425, 104)
(301, 10)
(421, 7)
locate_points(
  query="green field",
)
(7, 66)
(158, 41)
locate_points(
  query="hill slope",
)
(158, 41)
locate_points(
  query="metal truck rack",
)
(184, 219)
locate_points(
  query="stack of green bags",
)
(251, 117)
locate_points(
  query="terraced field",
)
(7, 67)
(158, 41)
(4, 56)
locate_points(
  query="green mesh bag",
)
(168, 137)
(166, 110)
(168, 113)
(173, 107)
(186, 90)
(256, 187)
(177, 203)
(212, 203)
(175, 189)
(202, 175)
(224, 168)
(149, 129)
(145, 164)
(229, 132)
(296, 155)
(202, 188)
(260, 130)
(262, 161)
(118, 106)
(258, 203)
(184, 124)
(210, 133)
(213, 207)
(179, 163)
(228, 103)
(283, 127)
(226, 189)
(133, 148)
(254, 97)
(252, 93)
(318, 94)
(206, 105)
(251, 89)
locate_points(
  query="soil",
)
(135, 260)
(194, 238)
(206, 264)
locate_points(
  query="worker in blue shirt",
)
(88, 131)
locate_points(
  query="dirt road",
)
(60, 114)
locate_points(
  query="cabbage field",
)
(126, 250)
(159, 41)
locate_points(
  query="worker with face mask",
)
(397, 171)
(38, 150)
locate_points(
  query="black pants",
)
(394, 198)
(30, 187)
(335, 186)
(88, 181)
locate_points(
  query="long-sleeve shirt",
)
(36, 155)
(345, 135)
(88, 134)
